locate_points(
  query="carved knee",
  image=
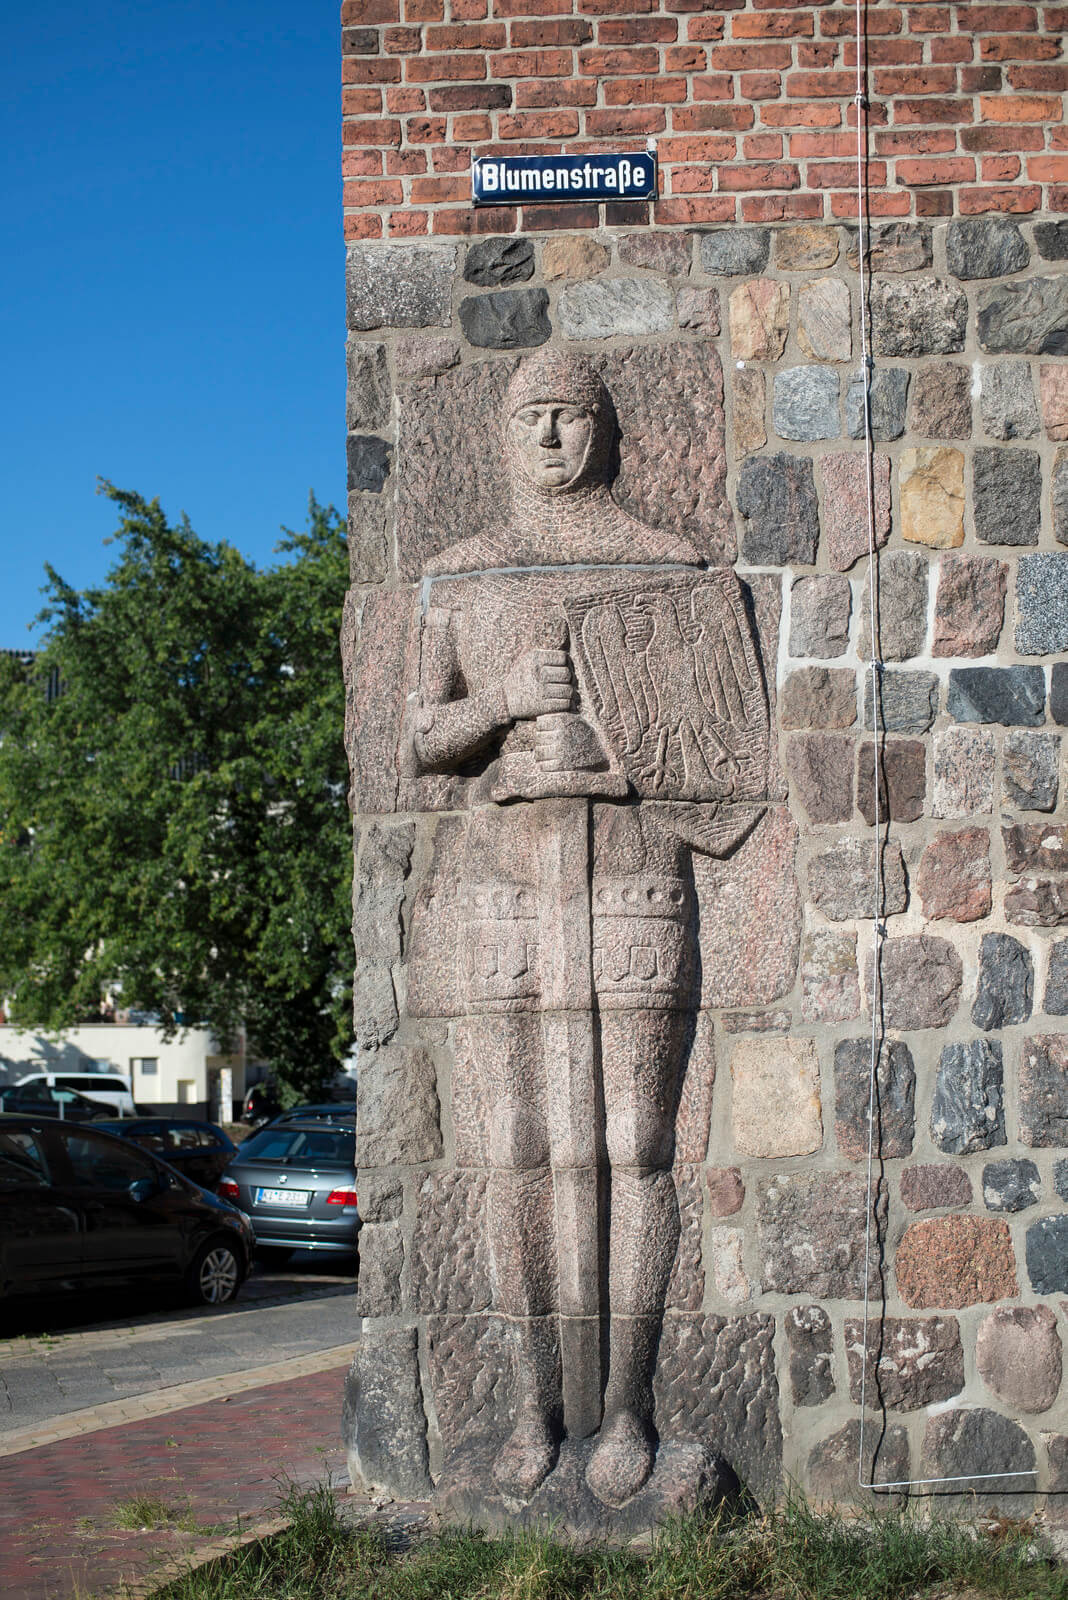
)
(639, 1135)
(516, 1136)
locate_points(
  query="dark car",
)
(199, 1150)
(260, 1104)
(327, 1111)
(81, 1209)
(45, 1100)
(297, 1182)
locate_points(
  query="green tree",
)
(173, 815)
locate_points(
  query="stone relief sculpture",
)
(596, 694)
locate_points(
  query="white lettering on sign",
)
(541, 177)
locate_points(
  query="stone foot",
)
(526, 1459)
(622, 1461)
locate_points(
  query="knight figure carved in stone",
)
(597, 690)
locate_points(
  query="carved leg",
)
(641, 1054)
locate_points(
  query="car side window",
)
(22, 1161)
(98, 1164)
(149, 1139)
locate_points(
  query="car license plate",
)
(297, 1198)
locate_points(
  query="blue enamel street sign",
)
(528, 180)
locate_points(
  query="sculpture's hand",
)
(566, 743)
(538, 683)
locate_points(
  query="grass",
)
(792, 1553)
(143, 1511)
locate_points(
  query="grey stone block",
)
(1012, 696)
(1007, 402)
(729, 252)
(510, 319)
(383, 1422)
(908, 701)
(1029, 317)
(968, 1109)
(1008, 495)
(1005, 991)
(895, 1095)
(889, 396)
(1031, 769)
(1010, 1185)
(1042, 603)
(985, 247)
(777, 498)
(491, 262)
(1060, 1178)
(808, 1340)
(1051, 240)
(400, 285)
(1059, 497)
(819, 616)
(1047, 1255)
(608, 306)
(805, 403)
(1058, 692)
(978, 1441)
(370, 394)
(918, 317)
(368, 458)
(1055, 999)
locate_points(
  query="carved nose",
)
(547, 429)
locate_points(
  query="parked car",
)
(36, 1099)
(297, 1183)
(199, 1150)
(108, 1087)
(260, 1104)
(81, 1209)
(330, 1111)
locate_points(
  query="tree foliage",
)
(174, 820)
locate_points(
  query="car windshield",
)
(311, 1147)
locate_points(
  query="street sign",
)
(533, 180)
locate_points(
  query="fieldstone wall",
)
(733, 355)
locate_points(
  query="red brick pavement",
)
(220, 1462)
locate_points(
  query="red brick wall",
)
(751, 103)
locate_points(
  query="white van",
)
(107, 1087)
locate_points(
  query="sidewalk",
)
(212, 1461)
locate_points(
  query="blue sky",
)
(171, 287)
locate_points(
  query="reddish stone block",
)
(954, 878)
(953, 1262)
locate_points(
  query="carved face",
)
(551, 440)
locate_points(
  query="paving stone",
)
(1007, 486)
(895, 1096)
(819, 616)
(820, 766)
(841, 880)
(931, 482)
(1058, 692)
(908, 701)
(368, 459)
(910, 1362)
(952, 1262)
(698, 309)
(811, 1228)
(726, 1191)
(835, 1470)
(935, 1187)
(1053, 389)
(940, 403)
(1011, 696)
(758, 317)
(805, 403)
(985, 247)
(845, 506)
(894, 247)
(969, 605)
(572, 256)
(1046, 1251)
(963, 760)
(819, 697)
(1055, 999)
(1042, 603)
(493, 262)
(830, 991)
(1010, 1185)
(777, 497)
(1037, 903)
(902, 781)
(728, 252)
(1005, 991)
(980, 1442)
(1031, 845)
(603, 308)
(1051, 240)
(1018, 1354)
(825, 320)
(425, 356)
(369, 391)
(953, 878)
(1029, 317)
(968, 1105)
(1031, 769)
(750, 429)
(806, 248)
(1007, 401)
(665, 252)
(889, 393)
(921, 981)
(1044, 1091)
(918, 317)
(810, 1353)
(776, 1097)
(400, 285)
(507, 319)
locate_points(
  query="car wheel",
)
(269, 1255)
(216, 1273)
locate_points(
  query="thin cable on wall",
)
(860, 100)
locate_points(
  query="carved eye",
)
(527, 419)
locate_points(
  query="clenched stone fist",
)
(539, 682)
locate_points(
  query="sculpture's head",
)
(559, 423)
